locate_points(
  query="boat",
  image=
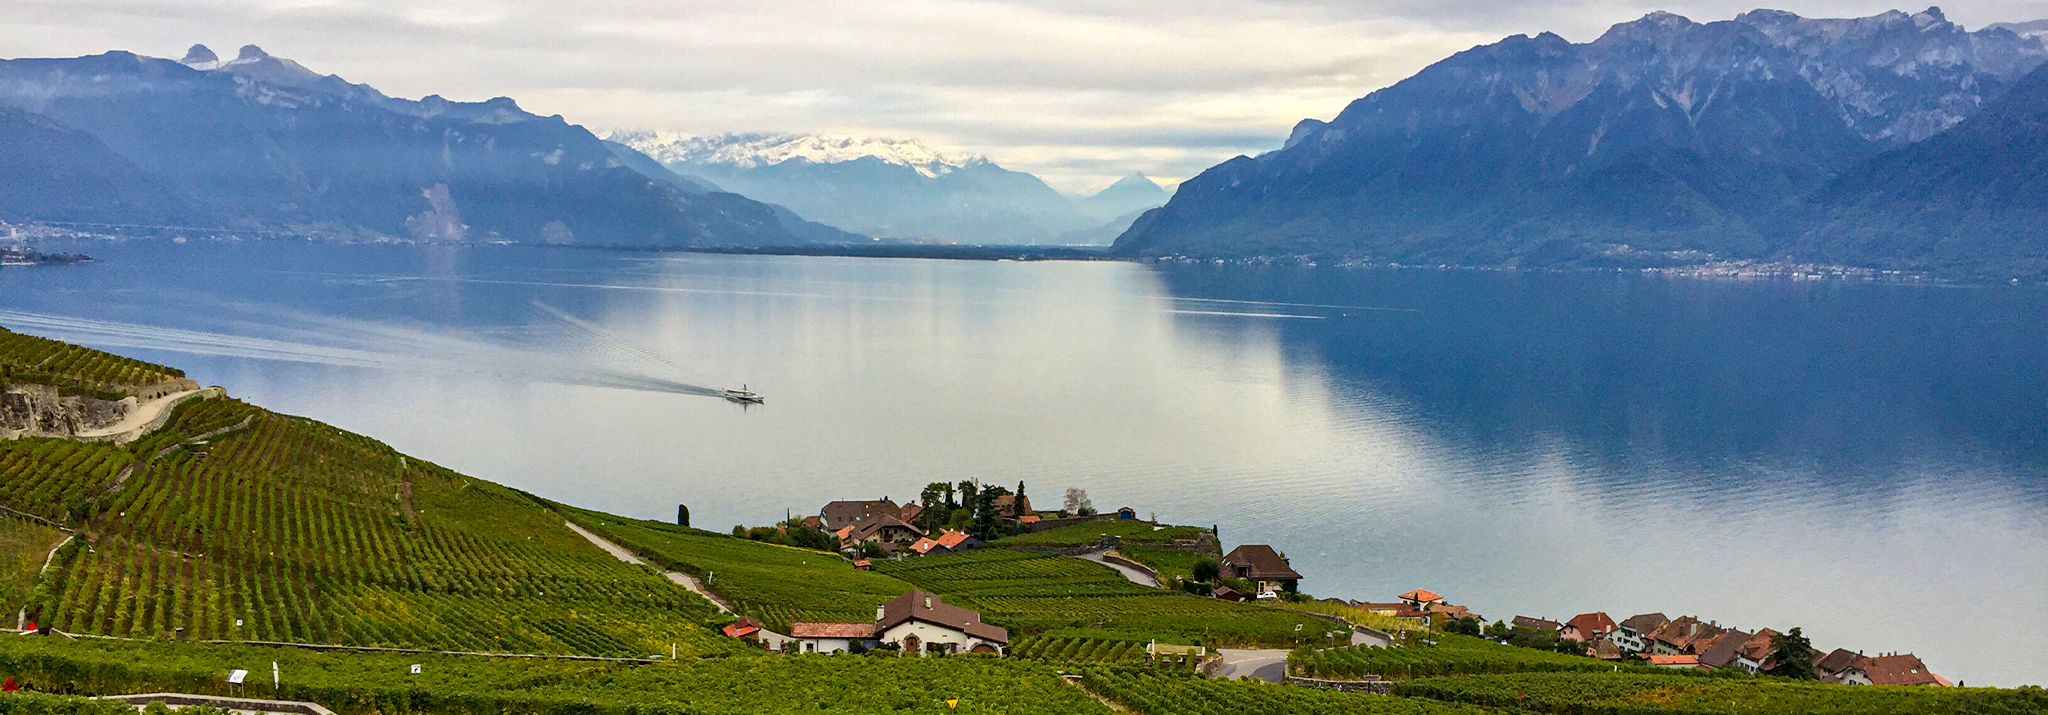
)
(742, 396)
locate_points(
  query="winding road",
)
(1136, 576)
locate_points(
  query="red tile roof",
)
(741, 628)
(1420, 594)
(1674, 660)
(1899, 669)
(952, 539)
(831, 630)
(1591, 623)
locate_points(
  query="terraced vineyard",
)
(1665, 692)
(27, 358)
(56, 479)
(1429, 655)
(1089, 532)
(774, 584)
(23, 543)
(1156, 694)
(1352, 614)
(291, 530)
(1079, 649)
(381, 683)
(1034, 592)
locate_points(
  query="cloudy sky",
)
(1078, 91)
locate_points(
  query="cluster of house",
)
(918, 623)
(1684, 642)
(893, 529)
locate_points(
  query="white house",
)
(920, 623)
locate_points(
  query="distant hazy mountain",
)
(879, 187)
(262, 142)
(1662, 135)
(804, 230)
(2036, 29)
(1132, 194)
(1973, 199)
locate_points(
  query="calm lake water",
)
(1869, 462)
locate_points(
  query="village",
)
(967, 517)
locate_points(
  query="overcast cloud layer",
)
(1078, 91)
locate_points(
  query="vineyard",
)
(1034, 592)
(56, 478)
(1352, 614)
(290, 530)
(1652, 693)
(381, 684)
(1089, 532)
(1168, 564)
(1079, 649)
(775, 584)
(1155, 694)
(23, 544)
(1428, 655)
(27, 358)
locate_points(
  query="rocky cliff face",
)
(1663, 134)
(29, 410)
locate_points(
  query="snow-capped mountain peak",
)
(749, 151)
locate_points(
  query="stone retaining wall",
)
(1376, 687)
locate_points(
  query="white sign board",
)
(415, 669)
(237, 676)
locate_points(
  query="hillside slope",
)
(263, 143)
(1974, 198)
(1662, 135)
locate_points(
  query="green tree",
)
(1463, 626)
(1205, 570)
(1794, 656)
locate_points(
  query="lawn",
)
(775, 584)
(1034, 592)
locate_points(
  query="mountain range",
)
(262, 143)
(1663, 139)
(897, 188)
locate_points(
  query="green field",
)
(1088, 532)
(1352, 614)
(1169, 564)
(1651, 693)
(774, 584)
(23, 544)
(380, 684)
(1033, 592)
(1427, 655)
(291, 530)
(27, 358)
(1157, 694)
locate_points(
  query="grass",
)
(1034, 592)
(292, 530)
(23, 544)
(1649, 693)
(381, 684)
(1435, 654)
(774, 584)
(1169, 564)
(1088, 532)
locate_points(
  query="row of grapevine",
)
(1151, 693)
(49, 477)
(28, 356)
(1433, 655)
(1076, 649)
(291, 530)
(1652, 693)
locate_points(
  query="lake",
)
(1866, 461)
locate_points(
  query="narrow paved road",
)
(1359, 637)
(620, 552)
(1266, 665)
(1136, 576)
(143, 419)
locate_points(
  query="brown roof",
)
(1684, 632)
(911, 512)
(1722, 653)
(1595, 622)
(1543, 624)
(927, 607)
(831, 630)
(814, 522)
(1898, 669)
(1759, 646)
(1836, 661)
(874, 527)
(1260, 562)
(1012, 505)
(841, 514)
(1644, 622)
(1421, 594)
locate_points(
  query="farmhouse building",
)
(1261, 565)
(1587, 627)
(841, 514)
(833, 637)
(920, 623)
(1419, 599)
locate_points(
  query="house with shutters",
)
(1587, 627)
(814, 637)
(1633, 634)
(921, 623)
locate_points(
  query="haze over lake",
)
(1867, 461)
